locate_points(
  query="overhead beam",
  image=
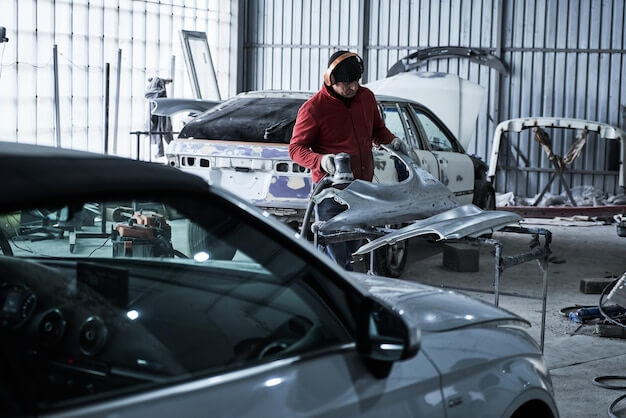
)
(237, 34)
(364, 35)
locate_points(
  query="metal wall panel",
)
(567, 58)
(88, 34)
(287, 42)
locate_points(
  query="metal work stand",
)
(357, 234)
(537, 252)
(148, 134)
(75, 234)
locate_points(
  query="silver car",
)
(136, 290)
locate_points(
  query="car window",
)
(110, 297)
(438, 139)
(398, 123)
(250, 119)
(410, 128)
(393, 121)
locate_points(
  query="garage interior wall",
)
(88, 34)
(566, 57)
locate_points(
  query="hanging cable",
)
(600, 302)
(601, 381)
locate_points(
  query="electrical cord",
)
(324, 182)
(600, 381)
(96, 249)
(612, 406)
(607, 288)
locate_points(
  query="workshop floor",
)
(574, 355)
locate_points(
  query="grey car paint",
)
(463, 221)
(419, 196)
(334, 385)
(470, 362)
(482, 367)
(372, 204)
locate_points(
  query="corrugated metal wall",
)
(88, 34)
(287, 42)
(567, 58)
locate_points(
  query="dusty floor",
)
(574, 355)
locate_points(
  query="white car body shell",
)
(250, 170)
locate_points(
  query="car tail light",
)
(187, 161)
(297, 168)
(285, 167)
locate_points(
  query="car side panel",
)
(487, 370)
(336, 385)
(456, 172)
(428, 161)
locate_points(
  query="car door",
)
(328, 379)
(245, 323)
(456, 170)
(397, 120)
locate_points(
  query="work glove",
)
(398, 145)
(328, 163)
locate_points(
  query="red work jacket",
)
(325, 125)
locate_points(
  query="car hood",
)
(432, 309)
(454, 100)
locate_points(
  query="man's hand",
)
(328, 163)
(398, 145)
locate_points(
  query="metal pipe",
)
(543, 264)
(57, 117)
(534, 254)
(106, 108)
(363, 36)
(172, 74)
(498, 271)
(117, 99)
(326, 181)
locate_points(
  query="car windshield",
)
(249, 119)
(106, 297)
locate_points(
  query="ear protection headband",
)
(329, 80)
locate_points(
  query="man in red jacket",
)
(341, 117)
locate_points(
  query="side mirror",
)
(384, 335)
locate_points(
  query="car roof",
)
(39, 173)
(297, 94)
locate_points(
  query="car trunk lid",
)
(259, 172)
(454, 100)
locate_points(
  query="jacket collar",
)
(334, 96)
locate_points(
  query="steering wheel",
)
(275, 347)
(291, 336)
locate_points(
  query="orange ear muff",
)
(329, 80)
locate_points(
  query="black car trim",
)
(419, 58)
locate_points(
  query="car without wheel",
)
(242, 146)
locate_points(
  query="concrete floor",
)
(573, 355)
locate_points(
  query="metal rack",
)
(538, 251)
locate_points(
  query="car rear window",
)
(250, 119)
